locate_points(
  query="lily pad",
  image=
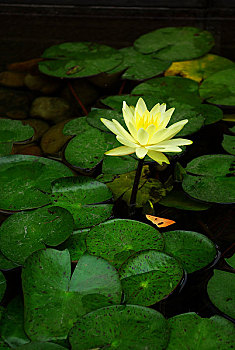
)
(94, 116)
(5, 148)
(79, 59)
(41, 346)
(210, 113)
(149, 276)
(6, 264)
(84, 198)
(118, 239)
(190, 331)
(12, 324)
(176, 43)
(14, 130)
(137, 66)
(54, 299)
(221, 291)
(76, 244)
(201, 68)
(210, 178)
(87, 149)
(192, 249)
(123, 327)
(219, 88)
(2, 285)
(23, 233)
(119, 165)
(179, 200)
(26, 180)
(116, 102)
(76, 126)
(231, 261)
(228, 144)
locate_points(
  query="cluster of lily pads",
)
(91, 279)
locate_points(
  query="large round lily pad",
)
(2, 285)
(87, 149)
(23, 233)
(76, 244)
(94, 116)
(117, 239)
(14, 130)
(219, 88)
(26, 181)
(120, 327)
(76, 126)
(176, 43)
(210, 178)
(137, 66)
(85, 198)
(54, 299)
(6, 264)
(228, 144)
(12, 324)
(221, 290)
(192, 249)
(149, 276)
(79, 59)
(34, 345)
(119, 165)
(201, 68)
(190, 331)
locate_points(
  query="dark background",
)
(28, 27)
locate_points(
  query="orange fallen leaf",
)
(160, 222)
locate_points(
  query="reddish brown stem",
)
(77, 98)
(122, 87)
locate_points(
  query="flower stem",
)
(135, 186)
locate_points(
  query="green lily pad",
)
(231, 261)
(116, 102)
(94, 116)
(76, 126)
(2, 285)
(12, 324)
(76, 244)
(137, 66)
(190, 331)
(210, 178)
(3, 345)
(87, 149)
(200, 68)
(14, 130)
(221, 291)
(211, 114)
(219, 88)
(149, 276)
(84, 198)
(118, 239)
(122, 327)
(6, 264)
(23, 233)
(179, 200)
(26, 180)
(119, 165)
(228, 144)
(54, 299)
(41, 346)
(192, 249)
(5, 148)
(176, 43)
(79, 59)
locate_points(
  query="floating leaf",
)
(221, 291)
(231, 261)
(76, 244)
(6, 264)
(76, 126)
(26, 180)
(2, 285)
(14, 130)
(179, 200)
(54, 299)
(94, 116)
(137, 66)
(149, 276)
(190, 331)
(122, 327)
(23, 233)
(228, 144)
(192, 249)
(175, 43)
(84, 198)
(200, 68)
(210, 178)
(12, 324)
(219, 88)
(119, 165)
(41, 346)
(87, 149)
(5, 148)
(79, 59)
(115, 240)
(210, 113)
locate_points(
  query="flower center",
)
(146, 119)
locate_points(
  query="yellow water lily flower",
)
(148, 133)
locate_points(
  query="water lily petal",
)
(142, 136)
(175, 142)
(163, 107)
(151, 129)
(132, 130)
(127, 113)
(110, 125)
(158, 157)
(164, 148)
(168, 133)
(120, 151)
(166, 118)
(126, 142)
(140, 106)
(122, 132)
(155, 110)
(141, 152)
